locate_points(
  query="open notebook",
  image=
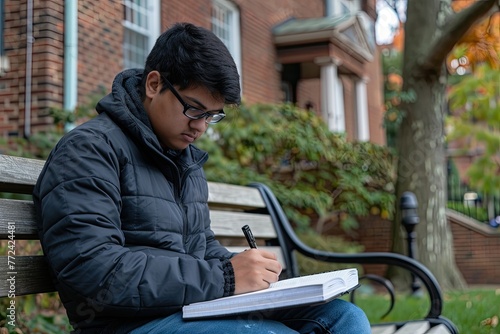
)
(304, 290)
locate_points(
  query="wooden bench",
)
(231, 207)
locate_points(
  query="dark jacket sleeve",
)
(215, 249)
(78, 202)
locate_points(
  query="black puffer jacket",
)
(125, 226)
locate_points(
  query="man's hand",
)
(254, 269)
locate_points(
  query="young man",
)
(122, 206)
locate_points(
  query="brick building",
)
(316, 53)
(58, 53)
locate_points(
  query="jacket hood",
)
(125, 107)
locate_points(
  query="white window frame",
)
(151, 32)
(233, 41)
(342, 7)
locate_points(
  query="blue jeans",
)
(336, 317)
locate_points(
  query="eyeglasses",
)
(211, 117)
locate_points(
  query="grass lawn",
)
(474, 311)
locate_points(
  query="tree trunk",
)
(431, 31)
(422, 170)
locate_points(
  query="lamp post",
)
(410, 219)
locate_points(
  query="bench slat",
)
(273, 249)
(234, 196)
(439, 329)
(18, 175)
(417, 327)
(224, 223)
(31, 275)
(384, 329)
(228, 224)
(22, 214)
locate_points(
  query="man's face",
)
(173, 129)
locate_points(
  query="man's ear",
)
(153, 84)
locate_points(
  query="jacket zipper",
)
(182, 180)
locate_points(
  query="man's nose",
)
(199, 124)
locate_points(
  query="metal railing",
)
(466, 200)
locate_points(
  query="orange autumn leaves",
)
(481, 43)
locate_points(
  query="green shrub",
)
(314, 173)
(42, 313)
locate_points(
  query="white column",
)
(339, 112)
(332, 101)
(362, 110)
(328, 79)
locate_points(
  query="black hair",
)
(189, 56)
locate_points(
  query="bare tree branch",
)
(394, 6)
(457, 25)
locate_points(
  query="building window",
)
(141, 20)
(342, 7)
(226, 26)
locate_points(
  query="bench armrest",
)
(289, 239)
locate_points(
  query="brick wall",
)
(100, 50)
(375, 236)
(261, 79)
(477, 250)
(195, 11)
(375, 101)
